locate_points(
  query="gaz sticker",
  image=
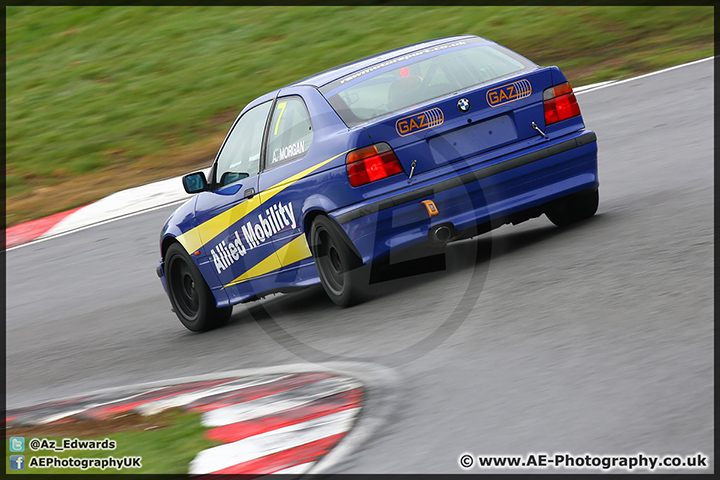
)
(509, 93)
(418, 122)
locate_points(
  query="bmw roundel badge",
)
(464, 104)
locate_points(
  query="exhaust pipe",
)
(441, 234)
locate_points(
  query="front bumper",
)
(473, 196)
(160, 270)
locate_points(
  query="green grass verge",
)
(94, 88)
(166, 449)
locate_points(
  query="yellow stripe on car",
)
(294, 251)
(198, 236)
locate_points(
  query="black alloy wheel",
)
(192, 300)
(573, 208)
(339, 268)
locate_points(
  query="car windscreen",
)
(404, 84)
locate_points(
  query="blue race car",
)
(320, 179)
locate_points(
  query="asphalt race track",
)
(594, 339)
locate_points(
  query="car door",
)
(229, 226)
(284, 187)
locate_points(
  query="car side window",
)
(241, 153)
(290, 133)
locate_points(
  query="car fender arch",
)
(221, 298)
(310, 215)
(167, 240)
(314, 204)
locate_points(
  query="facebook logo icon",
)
(17, 462)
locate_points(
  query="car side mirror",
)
(232, 177)
(195, 182)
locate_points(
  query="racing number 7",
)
(281, 107)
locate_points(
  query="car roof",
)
(327, 76)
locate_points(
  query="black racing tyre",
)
(573, 208)
(341, 271)
(191, 298)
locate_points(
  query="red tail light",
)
(560, 103)
(372, 163)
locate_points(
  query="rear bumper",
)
(473, 196)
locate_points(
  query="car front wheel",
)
(191, 298)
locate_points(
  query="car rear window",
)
(405, 84)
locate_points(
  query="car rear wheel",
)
(340, 270)
(573, 208)
(191, 298)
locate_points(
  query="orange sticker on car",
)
(509, 93)
(418, 122)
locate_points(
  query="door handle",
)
(249, 193)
